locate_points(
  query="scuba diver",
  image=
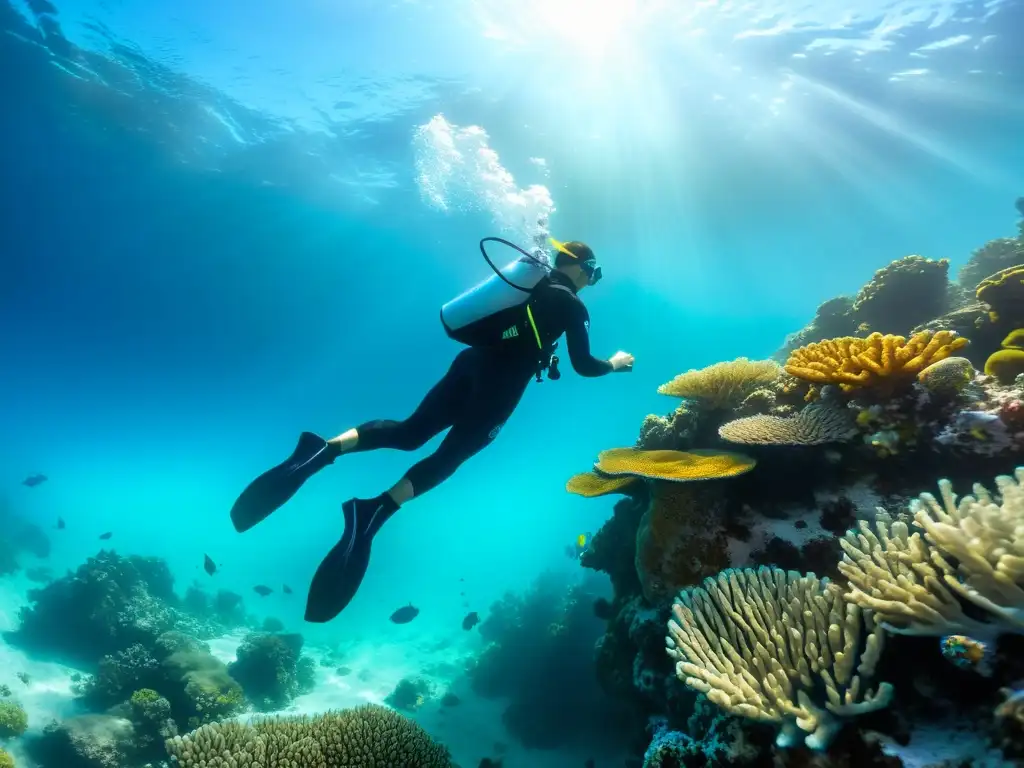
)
(511, 331)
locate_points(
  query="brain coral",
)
(879, 362)
(369, 736)
(723, 385)
(814, 425)
(675, 466)
(947, 376)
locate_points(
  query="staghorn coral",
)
(947, 377)
(778, 647)
(674, 466)
(879, 362)
(723, 385)
(902, 294)
(591, 484)
(369, 736)
(1007, 363)
(813, 425)
(1003, 292)
(961, 554)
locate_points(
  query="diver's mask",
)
(590, 267)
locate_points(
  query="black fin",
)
(273, 488)
(338, 577)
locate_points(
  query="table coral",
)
(778, 647)
(962, 553)
(591, 484)
(723, 385)
(878, 362)
(674, 466)
(813, 425)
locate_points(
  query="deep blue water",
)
(212, 237)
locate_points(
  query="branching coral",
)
(778, 647)
(961, 572)
(902, 294)
(813, 425)
(675, 466)
(370, 736)
(880, 362)
(723, 385)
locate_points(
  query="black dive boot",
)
(273, 488)
(337, 579)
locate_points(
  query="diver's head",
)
(577, 262)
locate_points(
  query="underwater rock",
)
(86, 741)
(907, 292)
(994, 256)
(272, 670)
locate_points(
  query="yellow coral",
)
(676, 466)
(814, 425)
(778, 647)
(878, 360)
(1004, 292)
(947, 376)
(966, 552)
(1007, 364)
(591, 484)
(369, 736)
(723, 385)
(6, 761)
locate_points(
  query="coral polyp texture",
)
(674, 466)
(963, 553)
(778, 647)
(591, 484)
(370, 736)
(813, 425)
(723, 385)
(882, 361)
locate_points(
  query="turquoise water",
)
(224, 223)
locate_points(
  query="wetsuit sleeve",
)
(577, 339)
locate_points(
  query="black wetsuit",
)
(485, 383)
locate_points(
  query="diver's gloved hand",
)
(621, 361)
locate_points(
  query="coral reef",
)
(1007, 362)
(723, 385)
(409, 694)
(994, 256)
(370, 736)
(272, 670)
(778, 647)
(1003, 294)
(109, 604)
(6, 761)
(86, 741)
(903, 294)
(538, 656)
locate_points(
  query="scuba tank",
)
(493, 311)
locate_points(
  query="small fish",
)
(208, 565)
(107, 535)
(60, 524)
(33, 480)
(261, 590)
(405, 614)
(471, 620)
(581, 546)
(286, 589)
